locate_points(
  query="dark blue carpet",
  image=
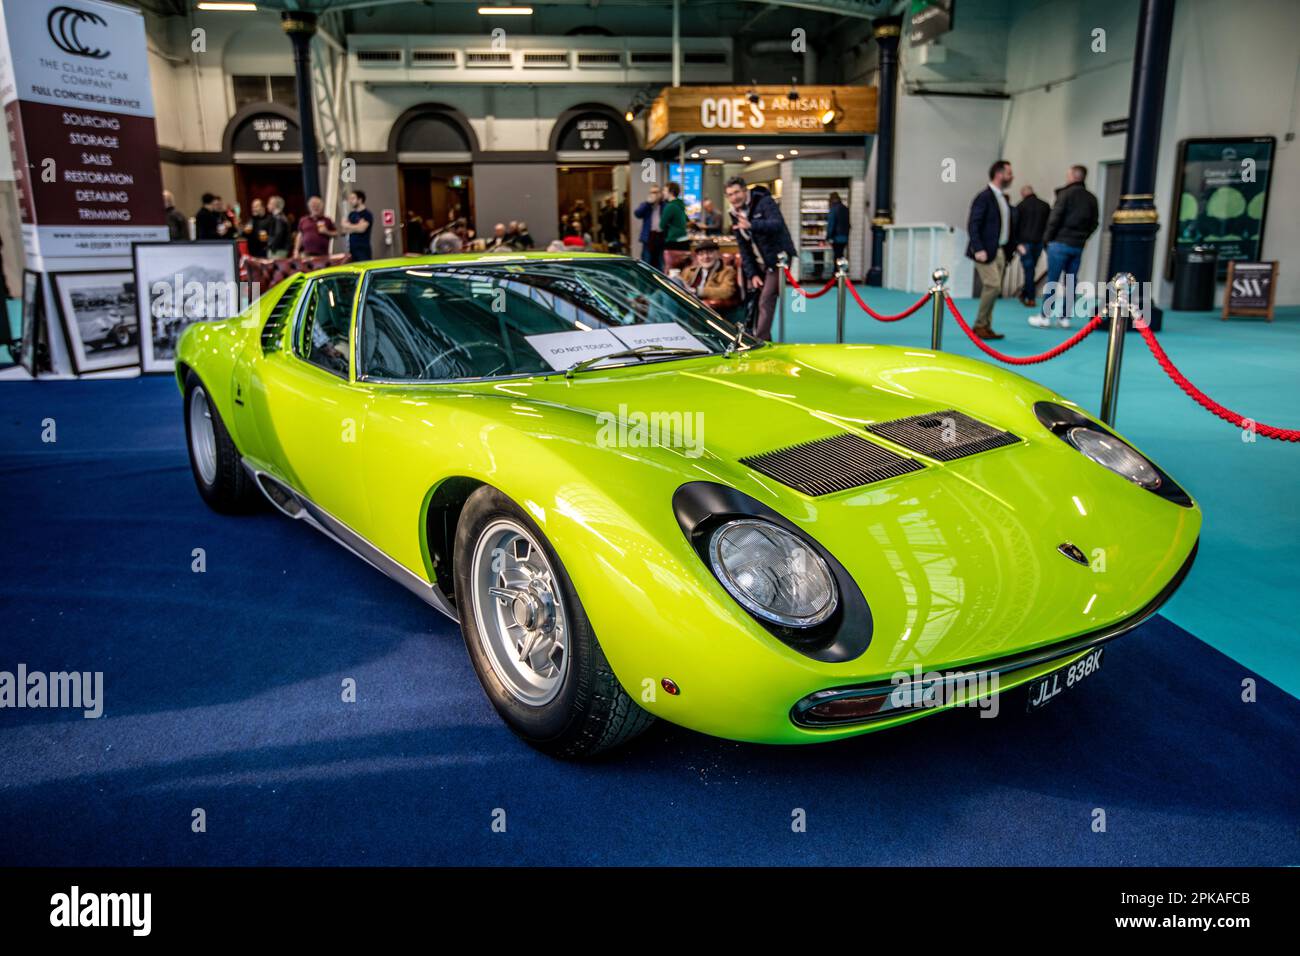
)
(223, 692)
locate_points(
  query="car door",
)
(309, 409)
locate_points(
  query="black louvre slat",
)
(943, 436)
(274, 327)
(832, 464)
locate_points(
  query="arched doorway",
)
(265, 148)
(434, 149)
(593, 150)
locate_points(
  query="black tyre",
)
(529, 638)
(218, 469)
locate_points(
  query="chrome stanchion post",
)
(841, 277)
(940, 277)
(1122, 287)
(782, 263)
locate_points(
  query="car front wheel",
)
(529, 638)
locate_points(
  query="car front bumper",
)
(878, 705)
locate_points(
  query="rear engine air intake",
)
(943, 436)
(832, 464)
(273, 330)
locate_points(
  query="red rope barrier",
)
(886, 318)
(1268, 431)
(1093, 324)
(794, 284)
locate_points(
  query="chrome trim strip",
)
(334, 529)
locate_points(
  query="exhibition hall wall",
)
(1234, 70)
(1021, 81)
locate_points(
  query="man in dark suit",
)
(989, 226)
(837, 226)
(652, 234)
(1028, 224)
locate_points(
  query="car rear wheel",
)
(529, 638)
(218, 469)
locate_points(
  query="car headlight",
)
(1110, 452)
(772, 572)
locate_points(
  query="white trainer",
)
(1063, 323)
(1039, 321)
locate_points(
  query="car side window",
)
(326, 322)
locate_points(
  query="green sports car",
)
(636, 510)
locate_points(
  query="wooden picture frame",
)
(1232, 309)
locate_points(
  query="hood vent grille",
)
(943, 436)
(833, 464)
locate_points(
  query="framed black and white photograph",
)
(32, 316)
(99, 319)
(181, 283)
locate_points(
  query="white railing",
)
(914, 250)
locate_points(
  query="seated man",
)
(710, 279)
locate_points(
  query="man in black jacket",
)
(761, 236)
(1073, 220)
(178, 227)
(257, 231)
(1028, 225)
(210, 222)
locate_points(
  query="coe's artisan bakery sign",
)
(74, 82)
(759, 110)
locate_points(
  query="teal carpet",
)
(1241, 595)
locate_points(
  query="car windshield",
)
(483, 319)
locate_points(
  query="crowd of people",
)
(999, 230)
(757, 225)
(269, 233)
(459, 236)
(581, 227)
(758, 228)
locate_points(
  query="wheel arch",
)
(440, 516)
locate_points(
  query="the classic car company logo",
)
(63, 23)
(1073, 552)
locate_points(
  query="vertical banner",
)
(74, 85)
(691, 179)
